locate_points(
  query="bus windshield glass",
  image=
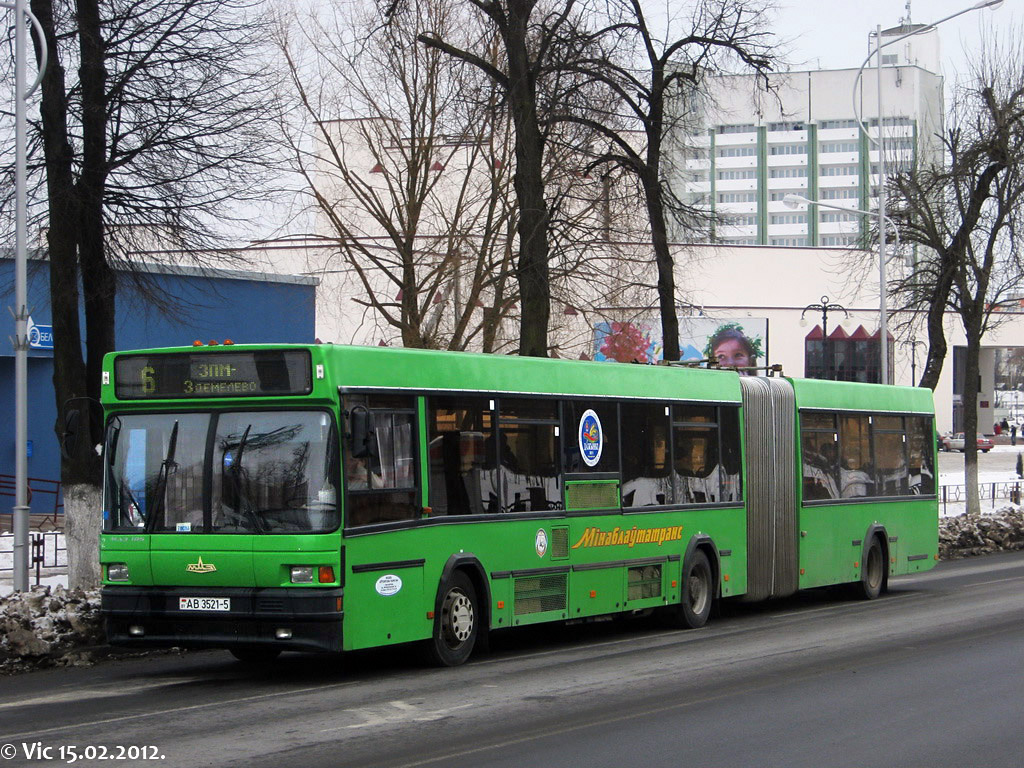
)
(230, 472)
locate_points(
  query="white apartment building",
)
(750, 146)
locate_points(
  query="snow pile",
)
(47, 626)
(966, 535)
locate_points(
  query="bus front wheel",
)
(456, 624)
(697, 594)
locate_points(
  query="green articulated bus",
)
(262, 498)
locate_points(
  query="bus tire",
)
(255, 655)
(694, 606)
(872, 575)
(456, 622)
(698, 591)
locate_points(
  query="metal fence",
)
(957, 494)
(46, 552)
(47, 512)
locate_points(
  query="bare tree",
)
(163, 126)
(532, 37)
(967, 214)
(409, 171)
(655, 77)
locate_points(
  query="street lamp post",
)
(793, 200)
(880, 143)
(913, 343)
(20, 310)
(824, 307)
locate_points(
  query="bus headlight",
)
(117, 571)
(302, 574)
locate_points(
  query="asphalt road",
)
(931, 674)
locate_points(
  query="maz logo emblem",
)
(200, 567)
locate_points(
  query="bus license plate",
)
(204, 603)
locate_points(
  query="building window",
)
(833, 124)
(839, 146)
(787, 173)
(737, 197)
(748, 151)
(843, 358)
(847, 193)
(735, 174)
(792, 242)
(842, 170)
(740, 221)
(788, 149)
(785, 126)
(746, 128)
(831, 217)
(839, 240)
(789, 218)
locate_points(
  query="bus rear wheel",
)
(456, 624)
(872, 576)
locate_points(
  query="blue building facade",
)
(245, 307)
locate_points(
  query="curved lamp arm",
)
(44, 49)
(993, 4)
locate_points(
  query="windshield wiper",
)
(161, 480)
(245, 506)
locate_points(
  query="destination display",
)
(213, 374)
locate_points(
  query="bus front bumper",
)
(288, 619)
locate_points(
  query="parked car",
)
(955, 442)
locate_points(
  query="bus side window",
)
(646, 479)
(820, 458)
(695, 449)
(528, 455)
(463, 462)
(856, 474)
(380, 476)
(891, 472)
(920, 447)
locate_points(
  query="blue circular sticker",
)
(591, 438)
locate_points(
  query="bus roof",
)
(401, 368)
(856, 396)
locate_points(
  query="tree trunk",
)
(80, 471)
(532, 270)
(971, 369)
(666, 265)
(99, 284)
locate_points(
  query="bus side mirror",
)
(69, 439)
(359, 419)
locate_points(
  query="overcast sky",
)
(833, 34)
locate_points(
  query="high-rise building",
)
(749, 145)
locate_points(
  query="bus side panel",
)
(833, 547)
(529, 580)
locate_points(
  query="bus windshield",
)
(229, 472)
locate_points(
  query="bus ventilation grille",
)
(269, 604)
(559, 543)
(539, 594)
(644, 582)
(592, 495)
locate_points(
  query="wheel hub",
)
(458, 623)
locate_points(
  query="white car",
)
(956, 443)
